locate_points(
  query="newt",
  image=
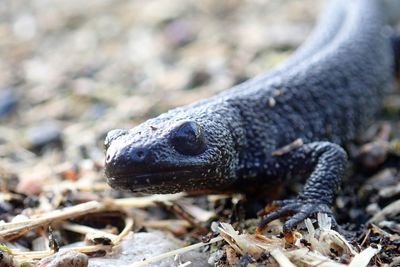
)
(292, 121)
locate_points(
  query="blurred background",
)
(72, 70)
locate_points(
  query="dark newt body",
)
(325, 95)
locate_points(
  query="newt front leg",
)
(326, 162)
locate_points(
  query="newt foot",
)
(300, 209)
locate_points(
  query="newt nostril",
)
(140, 154)
(109, 156)
(112, 153)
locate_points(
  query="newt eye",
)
(188, 139)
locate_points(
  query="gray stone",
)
(146, 245)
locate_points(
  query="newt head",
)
(168, 156)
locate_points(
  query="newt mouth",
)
(151, 181)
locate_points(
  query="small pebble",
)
(6, 260)
(179, 33)
(145, 246)
(5, 207)
(43, 136)
(8, 102)
(31, 185)
(65, 258)
(25, 27)
(198, 78)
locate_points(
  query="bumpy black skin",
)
(325, 95)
